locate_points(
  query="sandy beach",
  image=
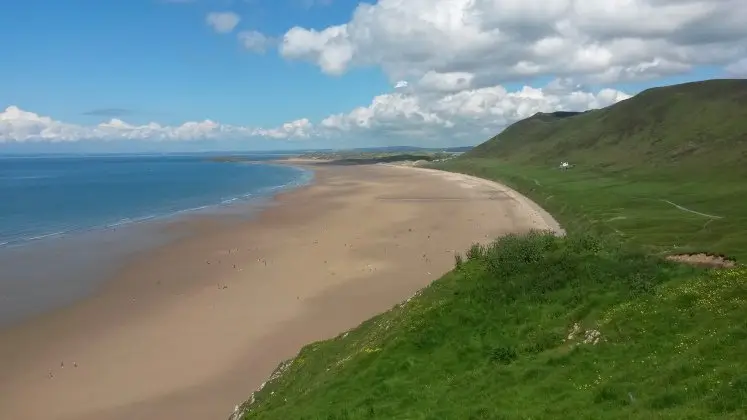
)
(190, 329)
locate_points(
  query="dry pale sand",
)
(192, 328)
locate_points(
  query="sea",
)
(58, 214)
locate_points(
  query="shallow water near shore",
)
(47, 197)
(67, 224)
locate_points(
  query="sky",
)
(192, 75)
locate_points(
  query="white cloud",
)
(404, 116)
(330, 48)
(496, 41)
(302, 128)
(255, 41)
(473, 114)
(17, 125)
(222, 22)
(446, 82)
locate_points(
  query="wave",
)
(46, 235)
(304, 178)
(127, 221)
(119, 223)
(25, 177)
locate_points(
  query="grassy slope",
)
(689, 128)
(631, 204)
(490, 340)
(683, 144)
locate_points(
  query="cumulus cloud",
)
(472, 113)
(17, 125)
(495, 41)
(255, 41)
(446, 82)
(330, 48)
(222, 22)
(438, 116)
(302, 128)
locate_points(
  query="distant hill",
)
(407, 149)
(694, 125)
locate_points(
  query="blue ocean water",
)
(44, 197)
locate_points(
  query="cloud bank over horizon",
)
(404, 115)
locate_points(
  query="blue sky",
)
(161, 61)
(81, 63)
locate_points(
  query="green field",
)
(594, 325)
(667, 213)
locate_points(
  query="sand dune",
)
(190, 329)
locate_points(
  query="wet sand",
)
(190, 329)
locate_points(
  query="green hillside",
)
(694, 127)
(665, 169)
(594, 325)
(535, 327)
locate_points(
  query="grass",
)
(635, 204)
(535, 327)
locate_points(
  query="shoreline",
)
(242, 199)
(112, 246)
(191, 328)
